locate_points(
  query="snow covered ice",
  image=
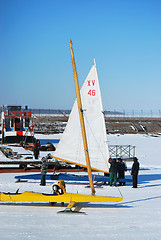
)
(138, 216)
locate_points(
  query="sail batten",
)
(70, 146)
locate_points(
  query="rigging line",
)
(26, 134)
(78, 149)
(120, 192)
(95, 138)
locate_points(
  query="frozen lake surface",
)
(138, 216)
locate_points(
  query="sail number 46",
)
(92, 92)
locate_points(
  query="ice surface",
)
(138, 216)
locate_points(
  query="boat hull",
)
(66, 197)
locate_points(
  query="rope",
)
(120, 192)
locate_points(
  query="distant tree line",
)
(131, 113)
(66, 112)
(62, 111)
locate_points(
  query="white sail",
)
(70, 147)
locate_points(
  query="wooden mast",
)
(82, 120)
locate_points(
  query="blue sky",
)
(124, 36)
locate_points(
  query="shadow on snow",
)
(80, 205)
(140, 200)
(148, 177)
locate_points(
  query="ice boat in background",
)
(16, 126)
